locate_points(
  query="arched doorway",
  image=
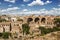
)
(29, 20)
(43, 20)
(36, 19)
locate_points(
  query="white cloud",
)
(9, 9)
(24, 10)
(12, 10)
(39, 2)
(26, 0)
(54, 11)
(59, 5)
(12, 1)
(48, 2)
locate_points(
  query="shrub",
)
(57, 22)
(1, 34)
(48, 30)
(1, 20)
(6, 35)
(25, 28)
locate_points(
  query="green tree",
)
(1, 34)
(6, 35)
(57, 22)
(25, 28)
(43, 30)
(48, 30)
(56, 29)
(3, 20)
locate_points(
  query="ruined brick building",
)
(14, 25)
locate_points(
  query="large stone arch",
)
(36, 19)
(29, 20)
(43, 20)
